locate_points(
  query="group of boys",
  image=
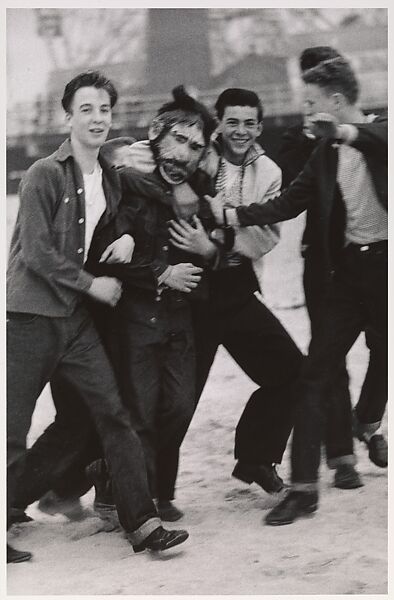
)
(125, 275)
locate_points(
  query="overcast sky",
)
(28, 61)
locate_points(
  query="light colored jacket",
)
(262, 181)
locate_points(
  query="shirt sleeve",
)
(289, 204)
(39, 194)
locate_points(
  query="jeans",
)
(58, 458)
(39, 346)
(155, 365)
(356, 301)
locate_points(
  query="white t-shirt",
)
(95, 203)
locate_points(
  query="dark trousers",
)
(37, 347)
(155, 365)
(58, 458)
(339, 433)
(263, 349)
(356, 301)
(373, 397)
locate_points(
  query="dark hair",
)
(88, 79)
(311, 57)
(334, 75)
(238, 97)
(186, 104)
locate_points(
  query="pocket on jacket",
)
(24, 318)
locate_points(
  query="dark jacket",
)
(316, 189)
(144, 213)
(293, 155)
(46, 274)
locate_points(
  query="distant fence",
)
(47, 117)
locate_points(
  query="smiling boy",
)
(64, 199)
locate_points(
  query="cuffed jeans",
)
(356, 301)
(37, 346)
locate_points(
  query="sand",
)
(342, 549)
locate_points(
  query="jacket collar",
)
(216, 148)
(64, 151)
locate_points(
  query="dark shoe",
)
(18, 515)
(264, 475)
(168, 511)
(377, 447)
(17, 556)
(295, 504)
(162, 539)
(52, 504)
(347, 478)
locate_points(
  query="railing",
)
(48, 117)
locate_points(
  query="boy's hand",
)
(324, 125)
(120, 251)
(182, 277)
(191, 239)
(106, 289)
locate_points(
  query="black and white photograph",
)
(196, 314)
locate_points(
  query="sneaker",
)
(168, 511)
(17, 556)
(347, 478)
(264, 475)
(162, 539)
(295, 504)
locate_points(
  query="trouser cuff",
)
(139, 535)
(348, 459)
(368, 428)
(305, 487)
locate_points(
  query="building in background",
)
(146, 52)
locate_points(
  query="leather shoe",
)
(377, 450)
(264, 475)
(168, 511)
(17, 556)
(347, 478)
(295, 504)
(162, 539)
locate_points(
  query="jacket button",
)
(153, 320)
(66, 200)
(165, 248)
(79, 191)
(81, 220)
(80, 250)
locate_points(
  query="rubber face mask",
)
(180, 151)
